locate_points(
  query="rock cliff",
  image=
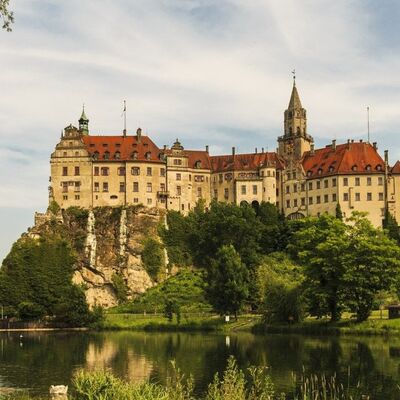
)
(108, 243)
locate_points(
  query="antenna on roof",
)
(124, 114)
(368, 122)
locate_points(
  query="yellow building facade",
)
(91, 171)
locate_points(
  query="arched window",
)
(319, 171)
(117, 155)
(309, 173)
(107, 155)
(368, 167)
(354, 168)
(197, 164)
(331, 169)
(148, 155)
(379, 167)
(96, 155)
(134, 155)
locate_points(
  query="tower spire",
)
(84, 122)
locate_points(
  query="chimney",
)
(124, 132)
(312, 149)
(348, 143)
(165, 147)
(352, 140)
(138, 134)
(207, 148)
(262, 150)
(387, 157)
(256, 150)
(375, 146)
(233, 151)
(361, 140)
(334, 144)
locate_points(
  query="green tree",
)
(120, 288)
(228, 281)
(391, 226)
(338, 212)
(319, 245)
(372, 264)
(6, 15)
(153, 257)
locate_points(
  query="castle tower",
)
(295, 140)
(84, 123)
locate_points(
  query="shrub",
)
(30, 311)
(121, 290)
(153, 257)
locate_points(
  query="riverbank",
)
(189, 322)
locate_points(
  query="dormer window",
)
(368, 167)
(107, 155)
(319, 171)
(197, 164)
(134, 155)
(309, 173)
(117, 155)
(95, 155)
(331, 169)
(354, 168)
(379, 167)
(148, 155)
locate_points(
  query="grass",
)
(189, 322)
(234, 384)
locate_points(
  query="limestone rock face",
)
(108, 242)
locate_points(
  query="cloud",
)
(208, 72)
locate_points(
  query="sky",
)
(214, 72)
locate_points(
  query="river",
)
(37, 360)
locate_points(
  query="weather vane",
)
(294, 76)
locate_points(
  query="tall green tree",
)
(228, 281)
(6, 15)
(391, 226)
(319, 246)
(338, 212)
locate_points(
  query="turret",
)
(84, 123)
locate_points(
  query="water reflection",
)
(51, 358)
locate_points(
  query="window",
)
(96, 171)
(77, 171)
(345, 197)
(380, 180)
(303, 187)
(226, 193)
(199, 192)
(149, 188)
(197, 164)
(148, 155)
(117, 155)
(254, 189)
(294, 175)
(369, 196)
(65, 187)
(77, 187)
(190, 179)
(149, 201)
(134, 155)
(357, 197)
(354, 168)
(199, 178)
(96, 155)
(177, 161)
(287, 203)
(215, 193)
(310, 200)
(162, 187)
(178, 177)
(326, 198)
(369, 181)
(77, 197)
(380, 196)
(287, 189)
(379, 167)
(104, 171)
(178, 190)
(318, 199)
(107, 155)
(243, 189)
(121, 171)
(149, 171)
(96, 187)
(309, 185)
(334, 197)
(295, 188)
(288, 176)
(105, 186)
(183, 207)
(334, 182)
(357, 182)
(326, 183)
(135, 200)
(65, 171)
(318, 184)
(295, 203)
(345, 181)
(135, 171)
(122, 187)
(65, 197)
(162, 171)
(221, 178)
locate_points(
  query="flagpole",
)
(124, 117)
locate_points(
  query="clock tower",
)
(295, 141)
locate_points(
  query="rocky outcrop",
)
(108, 242)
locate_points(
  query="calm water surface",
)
(40, 359)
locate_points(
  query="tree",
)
(372, 264)
(319, 245)
(153, 257)
(391, 226)
(338, 212)
(6, 15)
(228, 284)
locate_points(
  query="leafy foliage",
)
(120, 288)
(153, 257)
(228, 281)
(6, 15)
(391, 226)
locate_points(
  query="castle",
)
(91, 171)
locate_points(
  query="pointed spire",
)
(84, 122)
(83, 115)
(294, 102)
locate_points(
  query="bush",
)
(153, 257)
(121, 290)
(30, 311)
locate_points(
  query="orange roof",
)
(245, 161)
(125, 145)
(350, 158)
(396, 168)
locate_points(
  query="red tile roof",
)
(125, 145)
(351, 158)
(396, 168)
(245, 161)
